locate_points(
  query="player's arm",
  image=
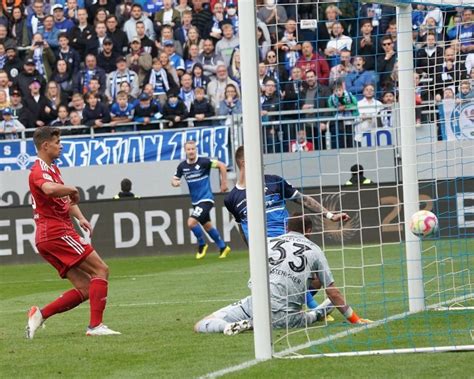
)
(75, 211)
(223, 173)
(339, 302)
(176, 179)
(60, 190)
(313, 205)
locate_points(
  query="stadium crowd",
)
(107, 64)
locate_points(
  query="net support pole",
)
(408, 154)
(254, 180)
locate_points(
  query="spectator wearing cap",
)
(34, 21)
(19, 112)
(201, 18)
(121, 74)
(42, 55)
(217, 86)
(95, 113)
(201, 108)
(310, 60)
(177, 62)
(225, 47)
(91, 70)
(130, 25)
(167, 16)
(61, 23)
(160, 80)
(118, 36)
(28, 74)
(10, 127)
(146, 110)
(209, 59)
(36, 103)
(147, 44)
(13, 64)
(68, 54)
(107, 58)
(139, 60)
(17, 27)
(175, 111)
(81, 33)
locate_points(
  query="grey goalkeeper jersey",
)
(293, 259)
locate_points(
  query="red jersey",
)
(51, 214)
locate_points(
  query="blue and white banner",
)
(457, 120)
(124, 148)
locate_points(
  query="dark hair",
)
(135, 5)
(44, 134)
(239, 156)
(126, 185)
(299, 223)
(63, 35)
(357, 168)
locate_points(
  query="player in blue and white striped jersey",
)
(196, 170)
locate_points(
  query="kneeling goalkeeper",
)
(295, 264)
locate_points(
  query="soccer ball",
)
(423, 223)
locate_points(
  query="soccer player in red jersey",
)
(54, 204)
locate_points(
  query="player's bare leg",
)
(216, 237)
(67, 301)
(98, 288)
(195, 227)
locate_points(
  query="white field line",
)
(145, 304)
(293, 350)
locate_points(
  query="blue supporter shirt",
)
(277, 191)
(116, 111)
(197, 176)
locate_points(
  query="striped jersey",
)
(51, 214)
(197, 176)
(277, 191)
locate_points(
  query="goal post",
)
(411, 286)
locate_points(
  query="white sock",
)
(211, 325)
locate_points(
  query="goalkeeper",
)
(277, 191)
(294, 263)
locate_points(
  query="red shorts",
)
(65, 252)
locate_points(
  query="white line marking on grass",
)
(228, 370)
(333, 337)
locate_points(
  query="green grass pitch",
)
(155, 301)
